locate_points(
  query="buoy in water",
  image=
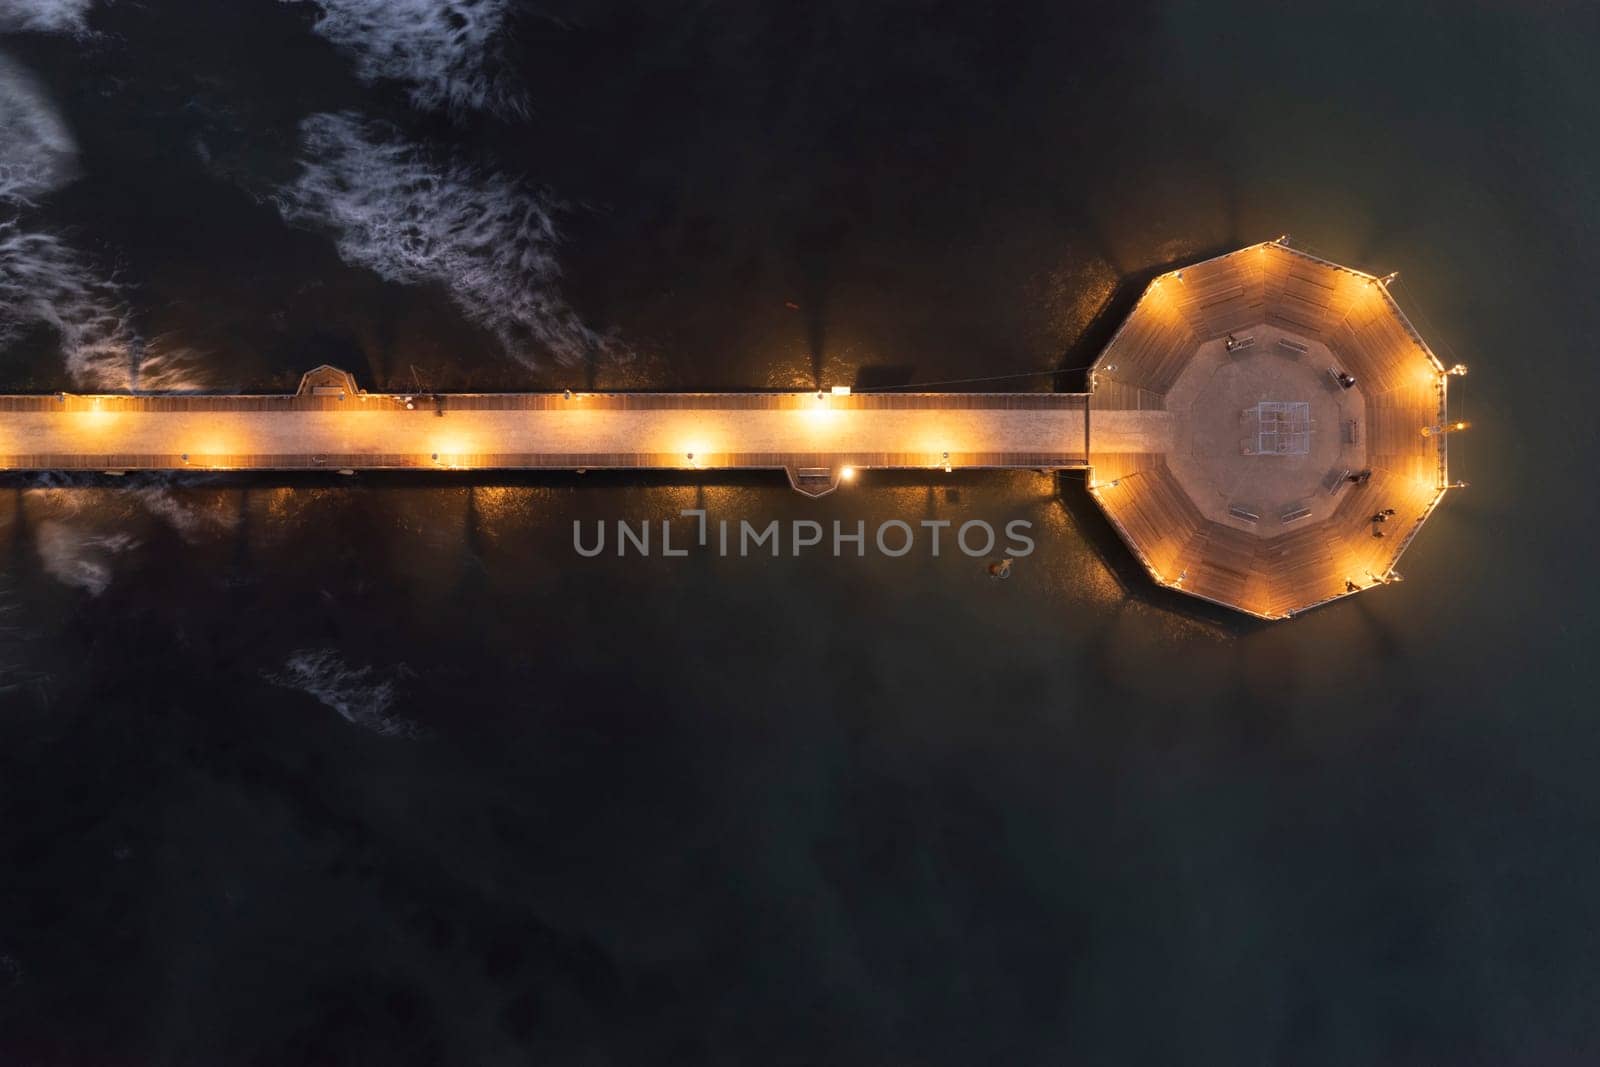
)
(1000, 570)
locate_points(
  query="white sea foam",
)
(45, 281)
(194, 520)
(488, 239)
(447, 51)
(44, 16)
(358, 694)
(77, 558)
(37, 152)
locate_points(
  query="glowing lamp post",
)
(1440, 431)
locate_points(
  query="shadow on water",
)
(815, 251)
(1104, 323)
(474, 572)
(20, 532)
(243, 558)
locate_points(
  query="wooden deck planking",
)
(1223, 295)
(1154, 512)
(333, 461)
(1113, 395)
(179, 403)
(1307, 296)
(1151, 348)
(1114, 466)
(1395, 440)
(1379, 351)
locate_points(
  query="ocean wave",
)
(447, 51)
(45, 16)
(44, 281)
(489, 240)
(77, 558)
(358, 694)
(193, 519)
(37, 152)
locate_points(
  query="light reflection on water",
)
(454, 550)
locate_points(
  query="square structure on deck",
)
(1283, 428)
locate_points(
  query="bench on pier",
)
(1294, 513)
(1239, 344)
(1293, 347)
(1352, 431)
(1239, 511)
(1336, 479)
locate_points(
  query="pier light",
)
(847, 473)
(946, 460)
(95, 417)
(821, 413)
(1440, 431)
(1459, 370)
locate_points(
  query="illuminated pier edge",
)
(1266, 431)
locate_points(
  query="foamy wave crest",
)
(45, 281)
(485, 237)
(194, 520)
(448, 51)
(37, 153)
(44, 16)
(356, 693)
(79, 559)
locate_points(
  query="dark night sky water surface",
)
(383, 773)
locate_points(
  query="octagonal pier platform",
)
(1266, 431)
(1306, 430)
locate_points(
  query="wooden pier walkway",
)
(332, 424)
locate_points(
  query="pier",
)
(332, 424)
(1266, 431)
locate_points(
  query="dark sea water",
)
(384, 773)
